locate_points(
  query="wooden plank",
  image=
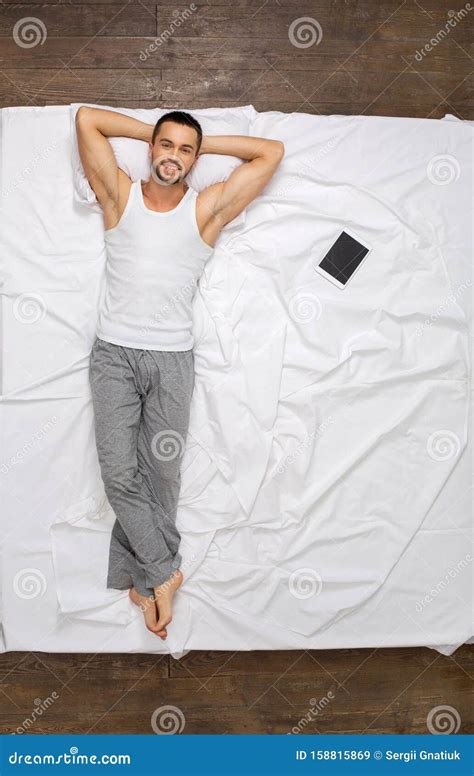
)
(29, 666)
(205, 664)
(238, 55)
(389, 108)
(272, 20)
(129, 18)
(78, 2)
(425, 8)
(105, 87)
(323, 88)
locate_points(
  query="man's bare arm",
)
(94, 126)
(262, 157)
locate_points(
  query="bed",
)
(326, 497)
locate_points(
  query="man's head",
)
(174, 147)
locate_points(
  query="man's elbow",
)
(81, 114)
(278, 149)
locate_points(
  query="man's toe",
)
(163, 622)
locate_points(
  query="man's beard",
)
(167, 178)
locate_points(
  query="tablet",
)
(343, 258)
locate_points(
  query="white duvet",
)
(326, 484)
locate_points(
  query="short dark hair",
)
(179, 117)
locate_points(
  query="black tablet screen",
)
(343, 258)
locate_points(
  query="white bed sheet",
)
(327, 477)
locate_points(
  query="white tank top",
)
(154, 261)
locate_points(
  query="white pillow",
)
(132, 155)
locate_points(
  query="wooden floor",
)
(304, 692)
(366, 58)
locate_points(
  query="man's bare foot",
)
(164, 600)
(157, 609)
(148, 606)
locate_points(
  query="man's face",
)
(173, 153)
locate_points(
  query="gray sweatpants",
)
(141, 401)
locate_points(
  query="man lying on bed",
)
(159, 234)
